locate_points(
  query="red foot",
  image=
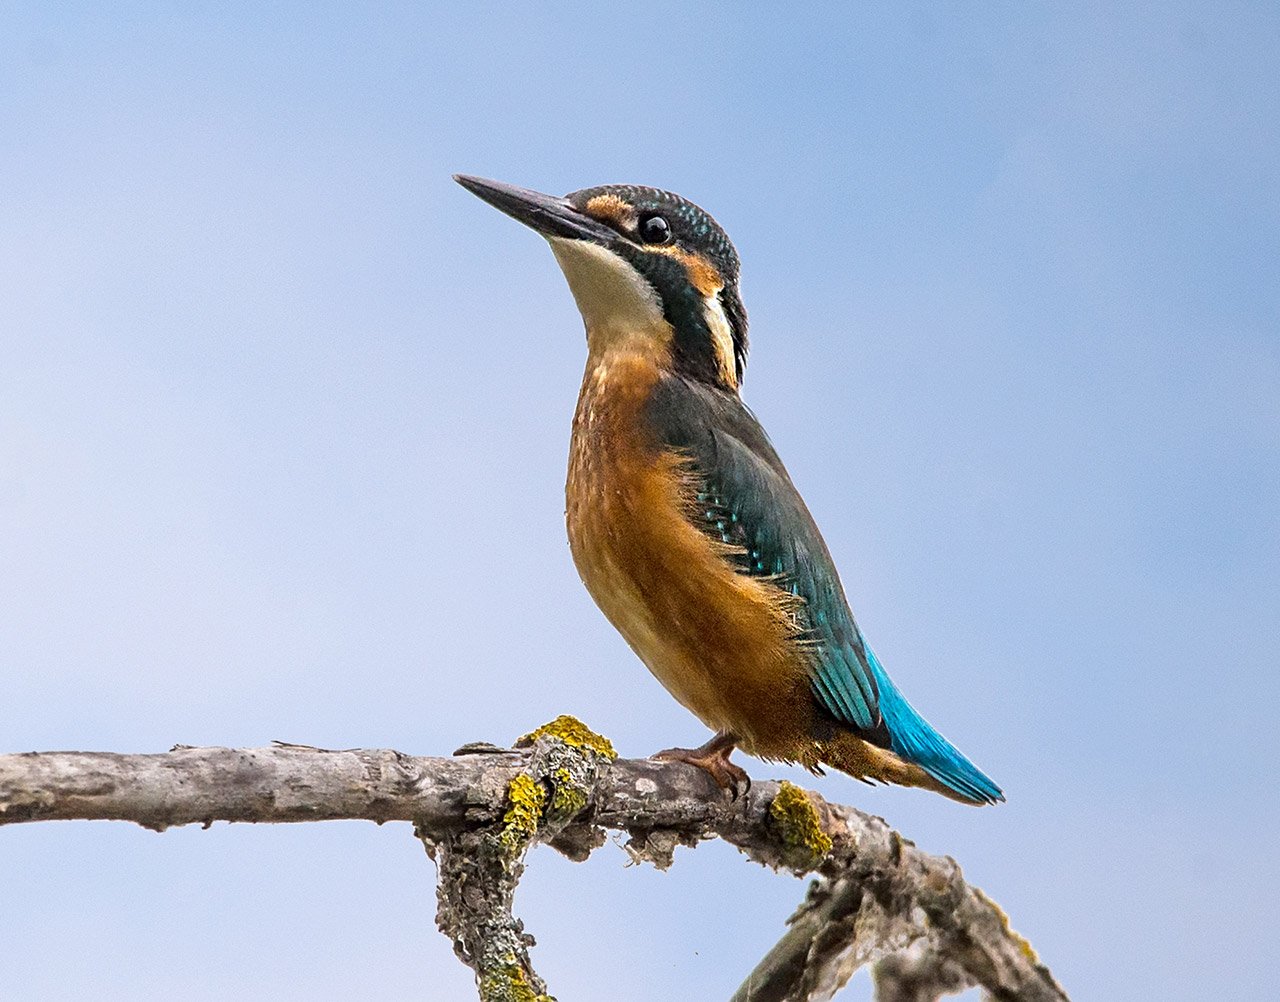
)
(713, 757)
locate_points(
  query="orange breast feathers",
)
(721, 642)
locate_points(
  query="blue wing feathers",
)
(779, 538)
(913, 738)
(747, 499)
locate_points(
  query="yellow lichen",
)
(797, 821)
(526, 798)
(1027, 949)
(575, 733)
(567, 795)
(509, 984)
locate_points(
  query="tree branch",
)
(479, 811)
(918, 974)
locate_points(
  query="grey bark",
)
(918, 974)
(478, 812)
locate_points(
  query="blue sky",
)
(284, 416)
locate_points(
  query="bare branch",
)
(918, 974)
(479, 811)
(880, 897)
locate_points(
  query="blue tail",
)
(913, 738)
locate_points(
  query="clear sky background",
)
(283, 427)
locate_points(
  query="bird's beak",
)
(549, 215)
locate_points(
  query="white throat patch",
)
(615, 301)
(722, 339)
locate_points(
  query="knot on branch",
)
(569, 760)
(480, 867)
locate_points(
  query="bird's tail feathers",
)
(913, 739)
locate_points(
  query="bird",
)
(683, 523)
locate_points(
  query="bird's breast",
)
(721, 642)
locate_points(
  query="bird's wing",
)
(747, 499)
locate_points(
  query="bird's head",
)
(650, 271)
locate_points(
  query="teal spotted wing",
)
(746, 498)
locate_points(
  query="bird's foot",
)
(713, 758)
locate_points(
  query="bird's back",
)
(691, 537)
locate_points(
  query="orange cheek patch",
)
(703, 275)
(611, 209)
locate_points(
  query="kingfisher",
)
(684, 524)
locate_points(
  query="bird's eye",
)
(655, 230)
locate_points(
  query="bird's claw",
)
(726, 774)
